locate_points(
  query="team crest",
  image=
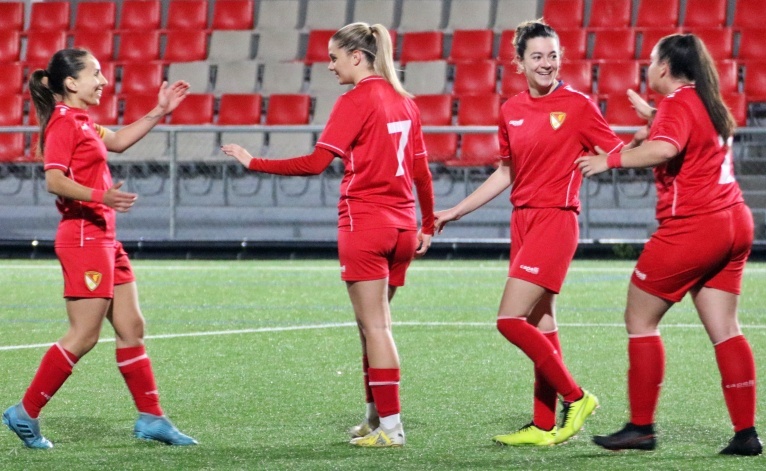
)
(92, 279)
(557, 119)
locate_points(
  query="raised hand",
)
(171, 96)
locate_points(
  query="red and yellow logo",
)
(92, 279)
(557, 119)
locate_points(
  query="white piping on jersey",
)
(57, 165)
(132, 360)
(673, 141)
(675, 197)
(348, 188)
(339, 151)
(64, 354)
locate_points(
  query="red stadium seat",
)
(106, 112)
(705, 13)
(471, 44)
(563, 14)
(728, 76)
(288, 109)
(422, 46)
(187, 14)
(316, 49)
(233, 14)
(135, 107)
(657, 13)
(512, 82)
(578, 74)
(140, 15)
(11, 77)
(41, 45)
(11, 114)
(139, 46)
(755, 81)
(614, 44)
(195, 109)
(506, 51)
(737, 103)
(10, 46)
(475, 78)
(574, 43)
(240, 109)
(49, 16)
(650, 37)
(719, 41)
(617, 77)
(141, 78)
(611, 14)
(99, 43)
(620, 112)
(95, 16)
(480, 110)
(185, 46)
(436, 110)
(11, 16)
(748, 14)
(752, 44)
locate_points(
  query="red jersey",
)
(700, 179)
(543, 136)
(74, 145)
(377, 133)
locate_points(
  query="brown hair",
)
(375, 43)
(688, 58)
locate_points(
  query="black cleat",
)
(745, 443)
(631, 437)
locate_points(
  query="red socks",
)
(542, 353)
(646, 358)
(54, 369)
(136, 368)
(384, 383)
(544, 408)
(737, 367)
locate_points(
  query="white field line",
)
(353, 324)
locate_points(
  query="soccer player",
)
(542, 131)
(98, 279)
(375, 128)
(703, 240)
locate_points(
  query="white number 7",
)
(402, 127)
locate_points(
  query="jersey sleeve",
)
(342, 128)
(502, 137)
(596, 131)
(673, 123)
(60, 142)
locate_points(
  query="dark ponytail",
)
(46, 84)
(688, 58)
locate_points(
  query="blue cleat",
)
(27, 428)
(159, 428)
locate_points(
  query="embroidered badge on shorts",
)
(92, 279)
(557, 119)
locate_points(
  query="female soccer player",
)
(375, 129)
(703, 240)
(98, 279)
(541, 133)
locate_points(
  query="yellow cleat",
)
(574, 415)
(380, 438)
(529, 434)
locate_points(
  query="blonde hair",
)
(375, 43)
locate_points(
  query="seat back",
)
(471, 44)
(194, 109)
(470, 14)
(240, 109)
(140, 15)
(49, 16)
(421, 15)
(187, 14)
(95, 16)
(613, 14)
(705, 14)
(185, 46)
(422, 46)
(233, 15)
(475, 78)
(288, 109)
(564, 14)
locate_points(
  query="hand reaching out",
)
(591, 165)
(120, 201)
(238, 152)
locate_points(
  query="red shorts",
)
(708, 250)
(376, 253)
(543, 243)
(93, 271)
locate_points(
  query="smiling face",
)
(540, 64)
(85, 90)
(342, 63)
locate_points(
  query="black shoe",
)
(745, 443)
(631, 437)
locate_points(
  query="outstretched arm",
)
(648, 154)
(60, 185)
(305, 165)
(170, 96)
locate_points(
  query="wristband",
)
(97, 196)
(614, 160)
